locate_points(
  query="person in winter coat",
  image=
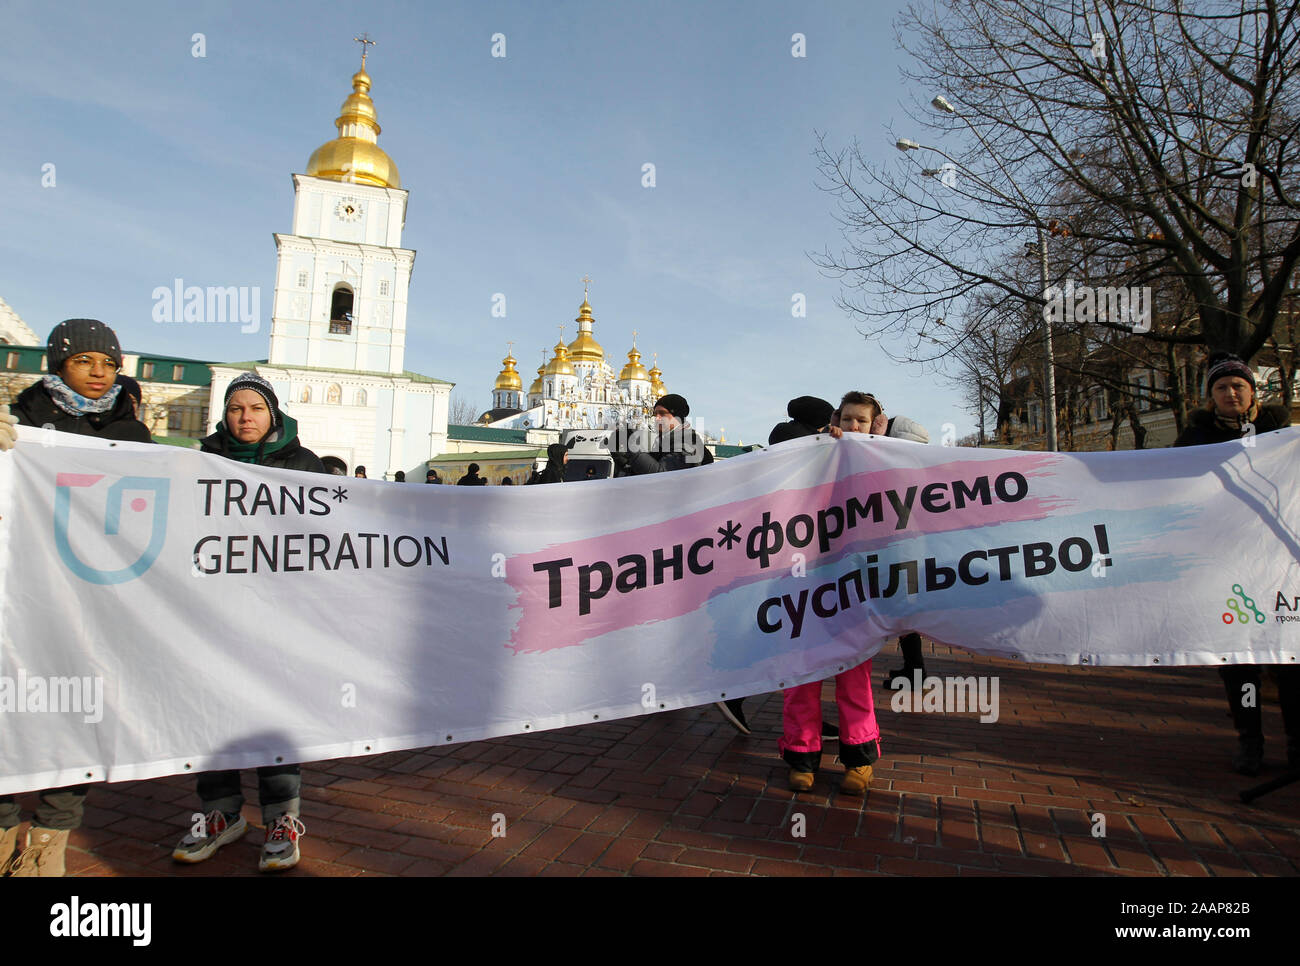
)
(866, 415)
(678, 446)
(472, 478)
(253, 430)
(557, 454)
(800, 743)
(80, 394)
(1233, 411)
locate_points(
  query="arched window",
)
(341, 311)
(334, 395)
(305, 395)
(361, 397)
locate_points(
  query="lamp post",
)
(907, 144)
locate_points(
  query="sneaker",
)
(43, 856)
(856, 780)
(735, 715)
(219, 828)
(280, 850)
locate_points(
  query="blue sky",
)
(524, 175)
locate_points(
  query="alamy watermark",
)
(215, 304)
(1129, 307)
(946, 695)
(25, 693)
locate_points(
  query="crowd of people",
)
(84, 392)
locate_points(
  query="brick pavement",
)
(680, 793)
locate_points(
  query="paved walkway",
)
(680, 793)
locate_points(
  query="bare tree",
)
(1148, 141)
(461, 411)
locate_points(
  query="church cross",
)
(365, 41)
(586, 281)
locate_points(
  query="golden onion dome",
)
(585, 348)
(355, 156)
(656, 380)
(536, 388)
(559, 366)
(633, 369)
(508, 378)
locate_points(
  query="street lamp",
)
(942, 103)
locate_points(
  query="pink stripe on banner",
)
(543, 628)
(77, 479)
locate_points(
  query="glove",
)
(8, 429)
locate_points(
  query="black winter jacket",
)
(35, 407)
(1202, 428)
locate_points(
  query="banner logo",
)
(1241, 616)
(64, 482)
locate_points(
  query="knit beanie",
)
(675, 404)
(1225, 364)
(80, 335)
(251, 380)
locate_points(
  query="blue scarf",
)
(74, 403)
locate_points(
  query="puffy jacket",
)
(35, 407)
(1203, 428)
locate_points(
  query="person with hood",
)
(80, 394)
(1233, 411)
(557, 454)
(472, 478)
(431, 476)
(253, 430)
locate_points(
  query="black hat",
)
(810, 411)
(473, 467)
(251, 380)
(1226, 364)
(783, 432)
(80, 335)
(675, 404)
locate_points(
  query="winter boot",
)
(8, 842)
(803, 768)
(43, 855)
(910, 645)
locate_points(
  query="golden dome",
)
(633, 369)
(508, 378)
(536, 388)
(585, 348)
(657, 387)
(559, 366)
(354, 156)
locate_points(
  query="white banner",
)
(167, 611)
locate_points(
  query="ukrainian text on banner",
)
(167, 611)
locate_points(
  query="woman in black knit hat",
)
(1233, 412)
(80, 394)
(253, 430)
